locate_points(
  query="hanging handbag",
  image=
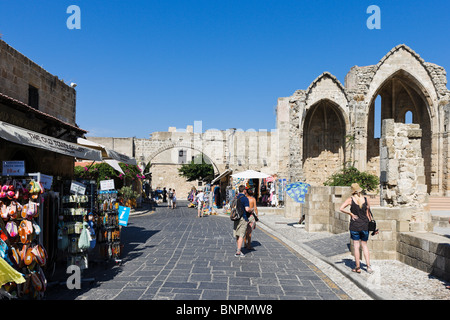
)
(372, 224)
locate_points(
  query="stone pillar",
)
(403, 173)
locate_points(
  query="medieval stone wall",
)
(404, 82)
(17, 73)
(234, 149)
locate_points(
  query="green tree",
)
(347, 176)
(198, 169)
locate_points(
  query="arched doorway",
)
(323, 141)
(402, 98)
(164, 164)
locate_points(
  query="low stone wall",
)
(402, 231)
(425, 251)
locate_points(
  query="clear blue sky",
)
(142, 66)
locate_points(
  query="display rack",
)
(21, 203)
(108, 237)
(75, 208)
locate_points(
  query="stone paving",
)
(392, 280)
(172, 255)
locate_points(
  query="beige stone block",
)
(320, 220)
(377, 245)
(316, 228)
(403, 226)
(389, 245)
(386, 235)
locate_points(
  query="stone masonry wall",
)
(17, 72)
(401, 165)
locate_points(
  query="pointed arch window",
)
(408, 117)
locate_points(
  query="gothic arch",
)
(180, 144)
(400, 92)
(403, 59)
(323, 141)
(326, 86)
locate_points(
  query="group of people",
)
(242, 229)
(170, 197)
(359, 212)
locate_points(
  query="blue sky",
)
(142, 66)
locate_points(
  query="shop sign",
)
(13, 168)
(77, 188)
(46, 181)
(30, 138)
(107, 185)
(124, 213)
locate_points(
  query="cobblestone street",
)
(172, 255)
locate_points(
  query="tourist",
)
(240, 226)
(359, 224)
(174, 199)
(164, 193)
(170, 202)
(252, 219)
(200, 198)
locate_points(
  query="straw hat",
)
(356, 188)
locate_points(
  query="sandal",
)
(369, 269)
(357, 270)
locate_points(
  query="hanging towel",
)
(297, 191)
(9, 274)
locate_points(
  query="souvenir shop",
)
(219, 188)
(34, 167)
(37, 153)
(268, 190)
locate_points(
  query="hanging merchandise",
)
(84, 242)
(77, 202)
(108, 235)
(281, 190)
(22, 256)
(297, 191)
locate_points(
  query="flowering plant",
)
(103, 171)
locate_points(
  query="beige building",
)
(36, 101)
(166, 151)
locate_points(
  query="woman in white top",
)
(200, 200)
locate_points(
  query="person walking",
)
(200, 198)
(170, 195)
(240, 226)
(164, 194)
(252, 219)
(174, 199)
(359, 224)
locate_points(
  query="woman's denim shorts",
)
(359, 235)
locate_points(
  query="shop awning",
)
(223, 174)
(30, 138)
(250, 174)
(107, 154)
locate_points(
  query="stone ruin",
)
(402, 166)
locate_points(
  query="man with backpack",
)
(240, 225)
